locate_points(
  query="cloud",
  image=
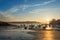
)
(44, 3)
(45, 13)
(35, 5)
(12, 10)
(7, 15)
(25, 6)
(48, 2)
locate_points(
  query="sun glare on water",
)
(48, 19)
(48, 28)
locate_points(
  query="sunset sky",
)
(29, 10)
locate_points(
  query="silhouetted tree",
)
(53, 21)
(58, 22)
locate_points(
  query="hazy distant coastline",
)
(8, 23)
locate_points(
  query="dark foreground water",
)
(17, 35)
(30, 35)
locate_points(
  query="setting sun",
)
(48, 19)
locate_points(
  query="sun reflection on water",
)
(48, 35)
(48, 27)
(45, 35)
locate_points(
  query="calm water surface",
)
(40, 35)
(48, 35)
